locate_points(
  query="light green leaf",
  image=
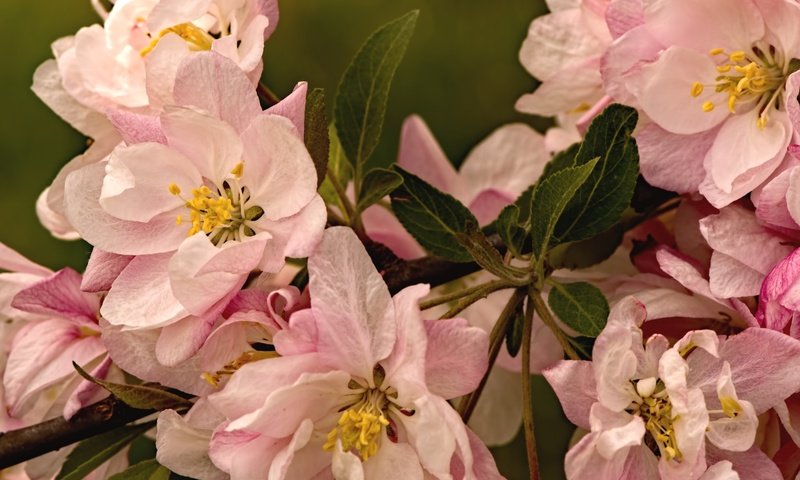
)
(93, 452)
(139, 396)
(586, 253)
(550, 199)
(146, 470)
(338, 168)
(316, 132)
(364, 88)
(378, 183)
(580, 306)
(432, 217)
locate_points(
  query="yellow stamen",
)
(716, 51)
(238, 170)
(737, 56)
(730, 406)
(174, 189)
(359, 430)
(708, 106)
(697, 89)
(197, 38)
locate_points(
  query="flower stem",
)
(468, 402)
(434, 302)
(547, 319)
(527, 395)
(266, 94)
(478, 294)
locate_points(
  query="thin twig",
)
(479, 294)
(434, 302)
(527, 394)
(496, 337)
(266, 94)
(547, 319)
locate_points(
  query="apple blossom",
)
(720, 96)
(366, 398)
(655, 410)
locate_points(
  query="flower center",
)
(359, 427)
(214, 378)
(222, 213)
(655, 410)
(197, 38)
(756, 79)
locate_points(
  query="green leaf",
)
(139, 396)
(550, 199)
(507, 226)
(146, 470)
(364, 88)
(378, 183)
(586, 253)
(605, 195)
(316, 132)
(338, 168)
(561, 160)
(514, 332)
(93, 452)
(432, 217)
(486, 254)
(580, 306)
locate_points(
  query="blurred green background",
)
(461, 74)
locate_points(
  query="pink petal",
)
(137, 128)
(394, 461)
(453, 345)
(201, 274)
(383, 227)
(278, 168)
(670, 161)
(296, 236)
(623, 15)
(141, 296)
(12, 261)
(217, 85)
(761, 364)
(293, 107)
(59, 296)
(96, 226)
(751, 465)
(574, 384)
(180, 340)
(301, 336)
(87, 392)
(355, 314)
(420, 154)
(183, 448)
(102, 269)
(771, 313)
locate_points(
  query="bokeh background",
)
(461, 74)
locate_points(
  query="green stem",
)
(527, 394)
(479, 294)
(468, 403)
(434, 302)
(547, 319)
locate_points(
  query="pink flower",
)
(673, 412)
(563, 50)
(130, 61)
(366, 399)
(199, 201)
(721, 94)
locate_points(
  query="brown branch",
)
(20, 445)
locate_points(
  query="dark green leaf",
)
(580, 306)
(300, 279)
(583, 346)
(600, 201)
(507, 226)
(91, 453)
(647, 197)
(316, 132)
(377, 184)
(550, 199)
(514, 332)
(585, 253)
(432, 217)
(364, 89)
(146, 470)
(561, 160)
(139, 396)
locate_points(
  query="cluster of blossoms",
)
(219, 271)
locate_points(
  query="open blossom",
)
(130, 61)
(685, 412)
(195, 202)
(365, 398)
(721, 95)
